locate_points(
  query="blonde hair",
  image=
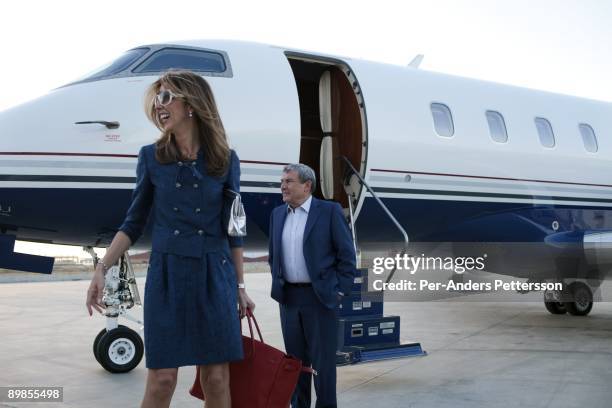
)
(197, 94)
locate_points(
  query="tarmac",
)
(480, 354)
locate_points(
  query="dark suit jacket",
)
(328, 251)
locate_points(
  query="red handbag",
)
(265, 378)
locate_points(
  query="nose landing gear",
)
(118, 348)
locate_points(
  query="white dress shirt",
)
(294, 264)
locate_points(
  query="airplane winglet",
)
(416, 61)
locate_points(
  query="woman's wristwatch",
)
(241, 286)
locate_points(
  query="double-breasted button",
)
(200, 232)
(195, 185)
(175, 209)
(178, 185)
(193, 163)
(180, 163)
(176, 232)
(197, 210)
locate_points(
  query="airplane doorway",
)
(332, 125)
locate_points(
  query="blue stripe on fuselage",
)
(91, 216)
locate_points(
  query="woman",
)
(192, 286)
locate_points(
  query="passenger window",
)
(497, 127)
(588, 137)
(443, 120)
(179, 58)
(545, 132)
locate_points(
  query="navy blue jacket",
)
(328, 251)
(188, 207)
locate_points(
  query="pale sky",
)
(555, 45)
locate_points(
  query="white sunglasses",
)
(164, 98)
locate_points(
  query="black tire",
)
(556, 308)
(582, 299)
(97, 342)
(120, 350)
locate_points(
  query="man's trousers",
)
(309, 331)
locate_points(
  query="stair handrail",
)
(384, 207)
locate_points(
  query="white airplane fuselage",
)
(70, 183)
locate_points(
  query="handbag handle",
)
(231, 193)
(250, 316)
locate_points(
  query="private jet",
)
(411, 156)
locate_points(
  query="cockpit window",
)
(155, 59)
(117, 65)
(194, 60)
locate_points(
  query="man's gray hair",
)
(304, 172)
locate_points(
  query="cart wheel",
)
(120, 350)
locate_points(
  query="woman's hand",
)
(120, 243)
(95, 292)
(244, 302)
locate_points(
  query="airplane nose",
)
(76, 118)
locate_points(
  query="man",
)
(312, 260)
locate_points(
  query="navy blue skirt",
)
(190, 311)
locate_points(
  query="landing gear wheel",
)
(120, 350)
(95, 344)
(583, 299)
(556, 308)
(97, 341)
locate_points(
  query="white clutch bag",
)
(237, 217)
